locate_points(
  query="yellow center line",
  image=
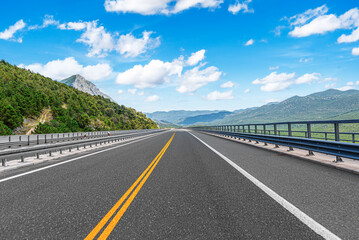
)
(141, 180)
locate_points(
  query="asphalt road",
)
(187, 192)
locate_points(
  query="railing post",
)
(37, 139)
(309, 130)
(290, 134)
(243, 129)
(337, 139)
(264, 129)
(275, 129)
(255, 129)
(28, 140)
(45, 139)
(249, 128)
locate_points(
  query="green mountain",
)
(25, 95)
(204, 118)
(326, 105)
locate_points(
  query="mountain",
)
(55, 107)
(176, 116)
(80, 83)
(204, 118)
(326, 105)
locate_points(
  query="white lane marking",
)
(74, 159)
(310, 222)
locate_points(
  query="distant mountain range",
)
(326, 105)
(80, 83)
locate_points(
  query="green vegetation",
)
(24, 94)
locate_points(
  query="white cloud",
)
(9, 33)
(273, 68)
(308, 78)
(228, 84)
(272, 100)
(129, 46)
(237, 7)
(305, 60)
(353, 37)
(355, 51)
(249, 42)
(120, 91)
(152, 98)
(322, 24)
(101, 42)
(330, 85)
(345, 88)
(141, 93)
(195, 78)
(146, 7)
(77, 26)
(277, 82)
(152, 74)
(220, 95)
(196, 57)
(61, 69)
(247, 90)
(132, 91)
(303, 18)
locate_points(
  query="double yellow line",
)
(137, 186)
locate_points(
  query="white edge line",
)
(74, 159)
(310, 222)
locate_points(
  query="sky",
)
(161, 55)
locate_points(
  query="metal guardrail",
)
(337, 146)
(36, 139)
(286, 129)
(49, 148)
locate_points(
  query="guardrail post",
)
(52, 138)
(264, 129)
(249, 128)
(353, 138)
(3, 162)
(337, 139)
(255, 129)
(45, 139)
(37, 156)
(9, 138)
(243, 129)
(28, 140)
(309, 130)
(22, 159)
(37, 139)
(290, 134)
(275, 129)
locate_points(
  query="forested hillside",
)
(24, 94)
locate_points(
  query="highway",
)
(179, 185)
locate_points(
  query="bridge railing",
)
(299, 134)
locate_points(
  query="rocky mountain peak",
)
(80, 83)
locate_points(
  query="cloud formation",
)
(8, 34)
(220, 95)
(228, 84)
(355, 51)
(249, 42)
(196, 57)
(167, 7)
(152, 98)
(237, 7)
(61, 69)
(277, 82)
(316, 21)
(158, 72)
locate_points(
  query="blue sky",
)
(188, 54)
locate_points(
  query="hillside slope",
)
(329, 104)
(24, 94)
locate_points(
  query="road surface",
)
(174, 186)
